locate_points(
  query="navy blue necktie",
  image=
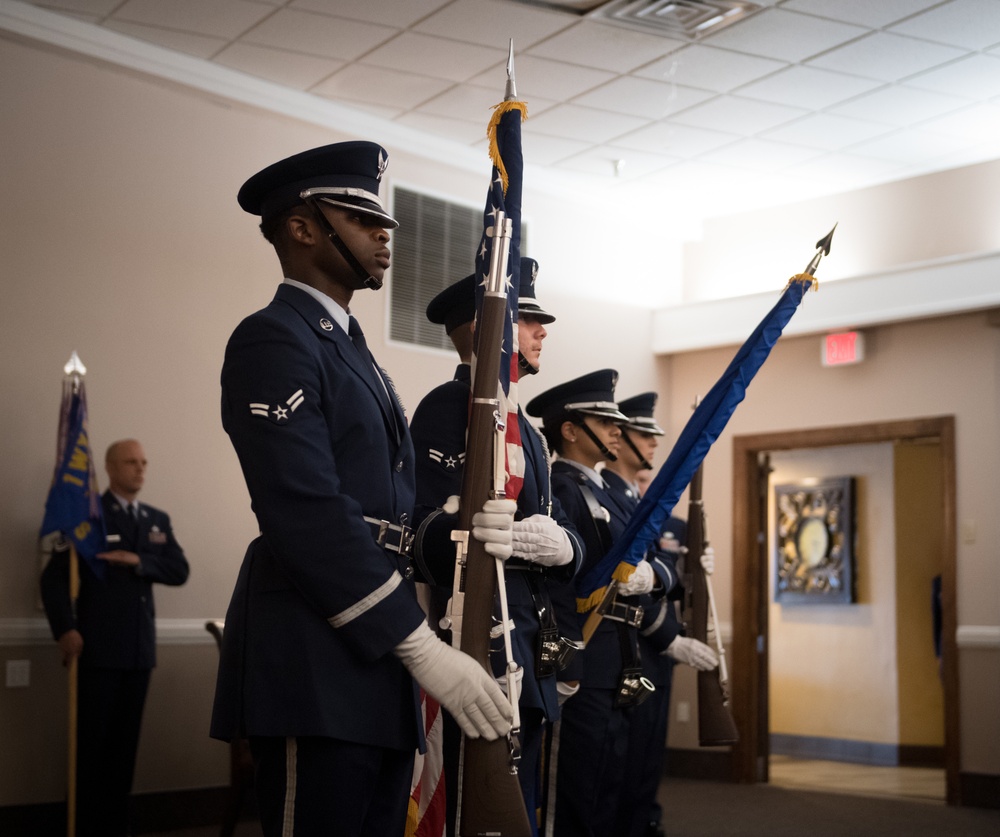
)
(358, 338)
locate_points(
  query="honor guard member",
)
(543, 542)
(580, 420)
(324, 642)
(112, 630)
(660, 640)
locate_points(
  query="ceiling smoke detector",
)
(688, 20)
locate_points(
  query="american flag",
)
(504, 195)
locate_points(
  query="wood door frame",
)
(750, 579)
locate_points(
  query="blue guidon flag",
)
(73, 506)
(706, 423)
(504, 133)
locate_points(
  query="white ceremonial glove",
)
(641, 581)
(458, 682)
(564, 691)
(696, 654)
(541, 540)
(492, 527)
(451, 504)
(708, 560)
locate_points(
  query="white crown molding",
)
(942, 286)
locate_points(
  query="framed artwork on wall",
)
(814, 538)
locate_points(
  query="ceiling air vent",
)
(686, 19)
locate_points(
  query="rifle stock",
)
(715, 720)
(491, 801)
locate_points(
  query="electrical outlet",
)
(18, 674)
(683, 712)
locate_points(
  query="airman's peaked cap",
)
(639, 411)
(526, 302)
(345, 174)
(455, 305)
(592, 394)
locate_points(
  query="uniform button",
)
(408, 572)
(403, 518)
(399, 466)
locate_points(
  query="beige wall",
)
(121, 239)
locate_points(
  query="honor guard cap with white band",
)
(345, 174)
(639, 412)
(592, 394)
(526, 302)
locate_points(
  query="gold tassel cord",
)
(803, 277)
(491, 134)
(623, 572)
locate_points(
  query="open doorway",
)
(751, 557)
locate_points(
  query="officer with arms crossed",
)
(324, 640)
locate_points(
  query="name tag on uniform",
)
(156, 536)
(114, 539)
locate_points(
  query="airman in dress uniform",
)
(660, 633)
(325, 642)
(580, 421)
(543, 542)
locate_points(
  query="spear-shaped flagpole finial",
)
(822, 249)
(511, 92)
(74, 366)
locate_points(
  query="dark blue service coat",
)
(318, 605)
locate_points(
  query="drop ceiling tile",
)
(605, 47)
(431, 56)
(898, 105)
(887, 57)
(972, 24)
(738, 115)
(493, 24)
(539, 150)
(317, 34)
(760, 155)
(642, 97)
(979, 122)
(807, 87)
(588, 124)
(391, 12)
(200, 46)
(380, 86)
(620, 163)
(709, 68)
(827, 131)
(217, 18)
(465, 101)
(292, 69)
(543, 78)
(785, 36)
(82, 8)
(863, 12)
(451, 130)
(675, 140)
(910, 147)
(975, 77)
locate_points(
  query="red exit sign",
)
(843, 348)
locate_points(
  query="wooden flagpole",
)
(72, 667)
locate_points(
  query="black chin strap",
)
(367, 280)
(644, 463)
(593, 437)
(524, 366)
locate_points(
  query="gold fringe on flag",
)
(623, 572)
(803, 277)
(491, 134)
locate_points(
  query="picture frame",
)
(814, 542)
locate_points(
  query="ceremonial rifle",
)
(715, 720)
(491, 801)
